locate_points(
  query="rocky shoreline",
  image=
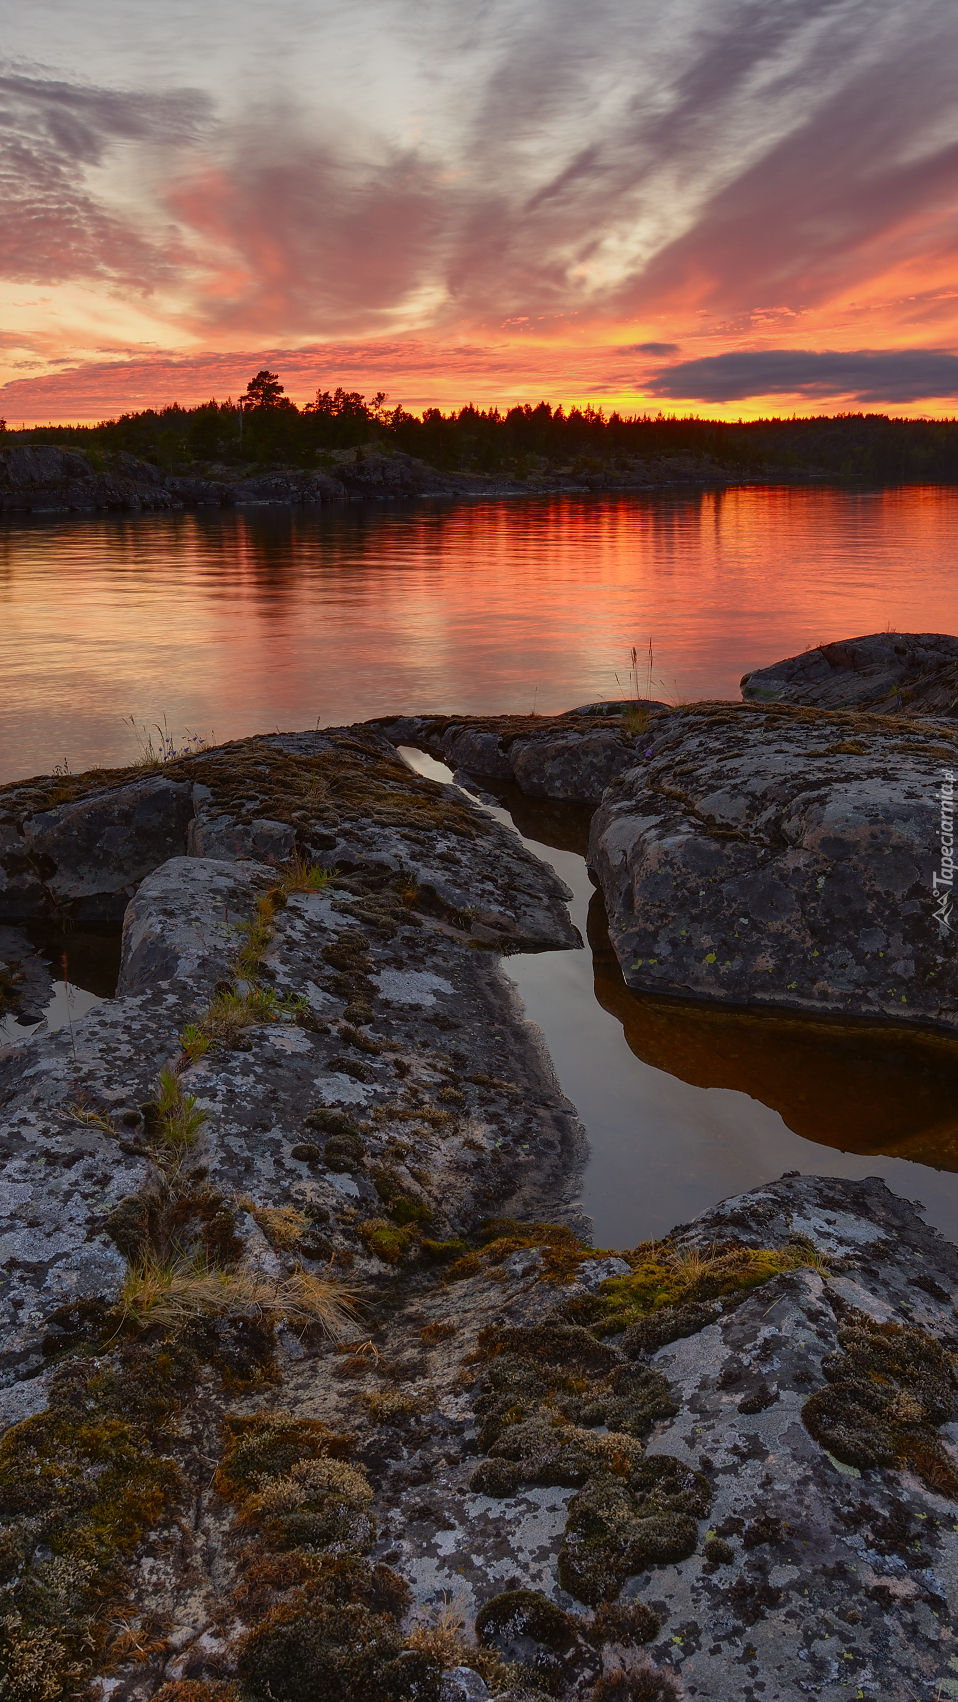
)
(44, 479)
(314, 1386)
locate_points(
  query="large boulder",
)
(786, 857)
(892, 673)
(92, 854)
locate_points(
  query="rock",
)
(462, 1684)
(784, 857)
(178, 925)
(26, 983)
(620, 706)
(890, 673)
(258, 841)
(38, 479)
(94, 852)
(561, 758)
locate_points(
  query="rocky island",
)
(314, 1387)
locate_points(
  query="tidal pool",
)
(686, 1103)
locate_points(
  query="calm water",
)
(230, 624)
(238, 623)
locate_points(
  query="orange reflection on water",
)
(239, 622)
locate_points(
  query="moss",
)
(889, 1387)
(443, 1251)
(562, 1251)
(80, 1484)
(388, 1241)
(618, 1526)
(197, 1690)
(718, 1552)
(402, 1209)
(344, 1152)
(551, 1452)
(524, 1613)
(678, 1278)
(625, 1622)
(644, 1684)
(500, 1479)
(269, 1445)
(667, 1324)
(352, 1067)
(330, 1121)
(324, 1654)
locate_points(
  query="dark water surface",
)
(229, 624)
(236, 623)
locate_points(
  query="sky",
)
(724, 207)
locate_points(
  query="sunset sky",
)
(729, 207)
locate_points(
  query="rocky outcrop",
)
(42, 479)
(785, 857)
(47, 480)
(720, 1464)
(564, 758)
(890, 673)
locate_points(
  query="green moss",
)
(402, 1209)
(388, 1241)
(269, 1445)
(889, 1388)
(618, 1526)
(442, 1251)
(659, 1278)
(80, 1484)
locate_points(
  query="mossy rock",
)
(889, 1387)
(442, 1251)
(625, 1622)
(617, 1528)
(344, 1152)
(268, 1445)
(566, 1345)
(344, 1065)
(668, 1324)
(330, 1121)
(524, 1613)
(499, 1479)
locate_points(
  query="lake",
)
(228, 623)
(224, 624)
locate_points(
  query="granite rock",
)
(788, 857)
(93, 853)
(891, 673)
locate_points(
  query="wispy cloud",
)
(649, 180)
(52, 135)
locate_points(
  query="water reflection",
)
(687, 1103)
(235, 623)
(857, 1087)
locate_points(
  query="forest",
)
(265, 428)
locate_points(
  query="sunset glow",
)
(752, 213)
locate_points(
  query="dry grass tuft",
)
(170, 1294)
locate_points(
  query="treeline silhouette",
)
(264, 428)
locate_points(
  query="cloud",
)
(526, 168)
(861, 375)
(53, 134)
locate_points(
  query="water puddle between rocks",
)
(90, 975)
(685, 1104)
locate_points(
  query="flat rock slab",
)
(892, 673)
(785, 857)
